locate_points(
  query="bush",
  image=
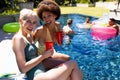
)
(83, 1)
(87, 1)
(9, 12)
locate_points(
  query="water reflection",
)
(99, 60)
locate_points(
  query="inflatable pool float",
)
(88, 26)
(104, 24)
(102, 32)
(11, 27)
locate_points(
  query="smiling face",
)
(27, 20)
(28, 24)
(48, 17)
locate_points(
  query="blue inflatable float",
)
(11, 27)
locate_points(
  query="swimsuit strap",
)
(25, 40)
(48, 35)
(56, 28)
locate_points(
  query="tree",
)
(91, 3)
(3, 5)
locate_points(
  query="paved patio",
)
(4, 35)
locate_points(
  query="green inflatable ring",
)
(11, 27)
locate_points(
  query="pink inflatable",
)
(103, 33)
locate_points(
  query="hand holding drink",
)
(48, 53)
(49, 45)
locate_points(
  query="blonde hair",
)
(27, 13)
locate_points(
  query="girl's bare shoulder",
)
(39, 28)
(57, 23)
(17, 38)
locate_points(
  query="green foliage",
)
(9, 12)
(87, 1)
(83, 1)
(19, 1)
(106, 0)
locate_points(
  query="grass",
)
(90, 11)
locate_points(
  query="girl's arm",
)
(18, 47)
(37, 34)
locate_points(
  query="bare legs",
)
(61, 56)
(66, 71)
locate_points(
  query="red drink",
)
(59, 37)
(48, 45)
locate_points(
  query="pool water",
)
(99, 60)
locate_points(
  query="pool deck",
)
(4, 35)
(112, 6)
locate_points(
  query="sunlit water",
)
(99, 60)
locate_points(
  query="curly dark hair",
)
(50, 6)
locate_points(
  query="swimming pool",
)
(99, 60)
